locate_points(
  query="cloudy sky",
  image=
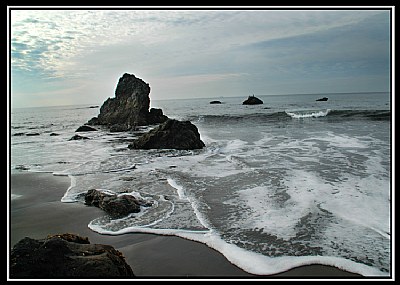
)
(63, 57)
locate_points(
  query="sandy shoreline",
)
(39, 212)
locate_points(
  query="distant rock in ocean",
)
(215, 102)
(252, 100)
(66, 256)
(172, 134)
(130, 106)
(322, 99)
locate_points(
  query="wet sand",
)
(39, 212)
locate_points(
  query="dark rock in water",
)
(21, 167)
(322, 99)
(93, 121)
(119, 128)
(130, 106)
(252, 100)
(115, 206)
(216, 102)
(78, 137)
(85, 128)
(54, 134)
(156, 116)
(172, 134)
(66, 256)
(32, 134)
(92, 107)
(18, 134)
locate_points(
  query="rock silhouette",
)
(130, 106)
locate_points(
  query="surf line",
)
(182, 196)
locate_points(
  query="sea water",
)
(293, 181)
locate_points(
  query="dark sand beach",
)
(39, 212)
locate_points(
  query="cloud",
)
(160, 46)
(56, 37)
(358, 48)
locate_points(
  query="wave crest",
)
(308, 113)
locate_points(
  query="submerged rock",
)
(66, 255)
(116, 206)
(172, 134)
(252, 100)
(130, 106)
(78, 137)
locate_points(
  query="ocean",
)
(291, 182)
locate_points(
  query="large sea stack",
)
(130, 106)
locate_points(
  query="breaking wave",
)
(296, 114)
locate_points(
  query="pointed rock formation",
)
(130, 106)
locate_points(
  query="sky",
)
(76, 56)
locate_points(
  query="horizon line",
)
(285, 94)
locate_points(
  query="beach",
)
(37, 212)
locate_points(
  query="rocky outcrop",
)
(85, 128)
(130, 106)
(66, 256)
(252, 100)
(322, 99)
(172, 134)
(117, 206)
(215, 102)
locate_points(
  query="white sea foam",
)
(67, 197)
(342, 141)
(251, 262)
(15, 196)
(179, 189)
(181, 193)
(301, 114)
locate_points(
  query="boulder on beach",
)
(130, 106)
(172, 134)
(66, 256)
(117, 206)
(252, 100)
